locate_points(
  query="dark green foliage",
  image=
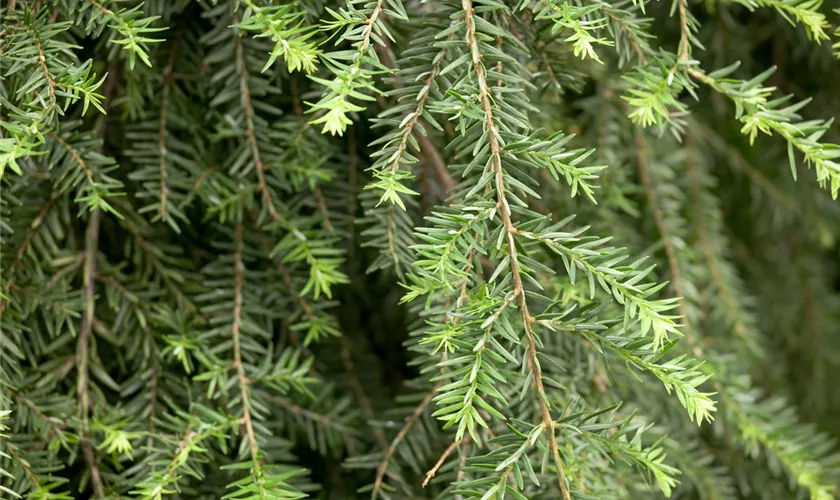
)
(522, 249)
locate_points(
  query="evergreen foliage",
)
(393, 249)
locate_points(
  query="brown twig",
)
(436, 160)
(685, 43)
(462, 462)
(42, 63)
(442, 459)
(105, 11)
(510, 230)
(368, 31)
(250, 130)
(415, 416)
(238, 282)
(75, 155)
(429, 150)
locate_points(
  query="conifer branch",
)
(83, 349)
(392, 448)
(449, 449)
(25, 466)
(176, 350)
(42, 63)
(250, 132)
(733, 310)
(23, 248)
(510, 232)
(656, 209)
(427, 147)
(685, 34)
(75, 155)
(408, 128)
(243, 382)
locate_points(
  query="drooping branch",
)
(510, 232)
(83, 348)
(242, 379)
(667, 239)
(250, 128)
(392, 448)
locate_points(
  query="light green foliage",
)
(391, 249)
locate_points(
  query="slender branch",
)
(434, 157)
(83, 348)
(238, 282)
(54, 427)
(105, 11)
(321, 203)
(418, 111)
(183, 444)
(548, 69)
(27, 469)
(415, 416)
(462, 462)
(368, 31)
(712, 259)
(186, 443)
(509, 229)
(75, 155)
(383, 466)
(311, 415)
(21, 249)
(685, 43)
(250, 131)
(659, 220)
(42, 63)
(442, 459)
(428, 148)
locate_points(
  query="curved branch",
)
(510, 231)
